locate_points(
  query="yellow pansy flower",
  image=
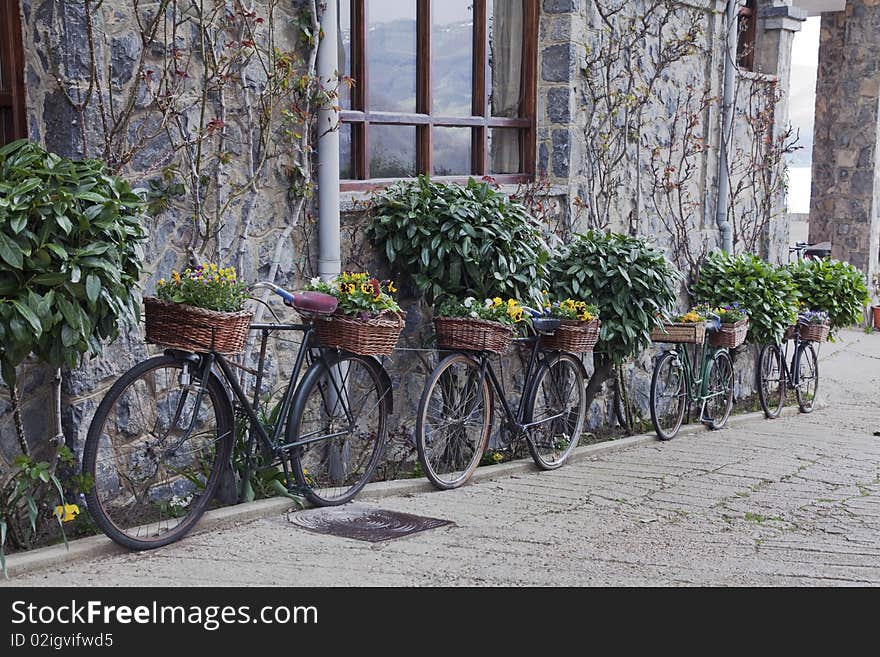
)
(67, 512)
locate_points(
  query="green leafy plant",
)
(69, 256)
(460, 240)
(27, 502)
(767, 293)
(359, 294)
(492, 310)
(207, 286)
(834, 287)
(628, 280)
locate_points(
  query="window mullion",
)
(480, 96)
(424, 133)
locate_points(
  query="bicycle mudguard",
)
(332, 358)
(195, 359)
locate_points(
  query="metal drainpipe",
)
(727, 102)
(329, 253)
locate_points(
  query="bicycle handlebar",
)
(286, 296)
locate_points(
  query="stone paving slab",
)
(789, 502)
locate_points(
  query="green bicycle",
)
(676, 385)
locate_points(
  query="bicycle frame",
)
(697, 392)
(515, 420)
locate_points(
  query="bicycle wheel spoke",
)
(557, 411)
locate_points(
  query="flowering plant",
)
(694, 315)
(359, 294)
(813, 317)
(492, 310)
(569, 309)
(731, 314)
(207, 286)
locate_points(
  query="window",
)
(441, 87)
(12, 117)
(745, 43)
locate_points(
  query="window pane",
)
(504, 150)
(452, 45)
(452, 151)
(392, 151)
(505, 57)
(346, 170)
(391, 52)
(345, 52)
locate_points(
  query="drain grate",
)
(363, 523)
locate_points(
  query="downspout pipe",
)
(329, 251)
(727, 103)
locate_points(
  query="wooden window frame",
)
(12, 60)
(745, 38)
(361, 117)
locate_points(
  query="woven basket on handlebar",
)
(730, 335)
(813, 332)
(684, 332)
(472, 334)
(195, 329)
(573, 336)
(376, 336)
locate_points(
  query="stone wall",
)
(256, 225)
(845, 203)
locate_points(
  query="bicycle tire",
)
(721, 363)
(659, 415)
(450, 454)
(806, 393)
(557, 378)
(118, 455)
(770, 359)
(316, 465)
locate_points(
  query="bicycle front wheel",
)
(719, 401)
(668, 396)
(339, 415)
(771, 381)
(557, 406)
(807, 369)
(454, 421)
(155, 454)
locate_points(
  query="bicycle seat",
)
(713, 324)
(317, 303)
(545, 325)
(821, 249)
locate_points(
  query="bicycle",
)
(776, 376)
(806, 251)
(162, 437)
(456, 407)
(675, 386)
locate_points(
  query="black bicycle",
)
(159, 447)
(455, 412)
(791, 365)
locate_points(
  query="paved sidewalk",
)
(794, 501)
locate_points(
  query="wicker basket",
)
(730, 335)
(573, 336)
(367, 337)
(457, 333)
(813, 332)
(195, 329)
(685, 332)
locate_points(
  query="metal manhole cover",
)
(363, 523)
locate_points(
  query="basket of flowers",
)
(473, 326)
(733, 329)
(199, 310)
(813, 326)
(689, 328)
(367, 321)
(579, 330)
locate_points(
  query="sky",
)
(802, 101)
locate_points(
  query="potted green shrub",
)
(70, 263)
(833, 287)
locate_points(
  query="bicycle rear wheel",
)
(807, 369)
(720, 391)
(155, 459)
(453, 421)
(558, 401)
(668, 396)
(771, 381)
(340, 414)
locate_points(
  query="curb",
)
(92, 547)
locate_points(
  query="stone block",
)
(558, 105)
(557, 63)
